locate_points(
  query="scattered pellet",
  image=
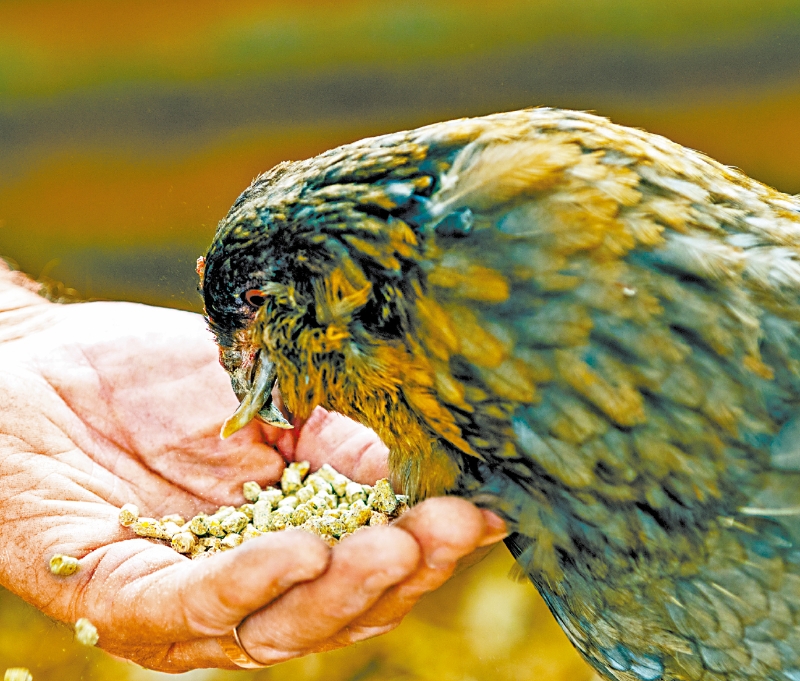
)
(319, 484)
(251, 491)
(291, 480)
(235, 522)
(63, 566)
(271, 496)
(149, 527)
(230, 541)
(301, 514)
(170, 529)
(313, 524)
(183, 542)
(223, 512)
(339, 484)
(402, 505)
(199, 525)
(250, 532)
(384, 499)
(215, 528)
(128, 515)
(18, 674)
(305, 493)
(261, 510)
(302, 467)
(175, 518)
(327, 472)
(85, 632)
(377, 518)
(354, 491)
(277, 522)
(332, 525)
(356, 517)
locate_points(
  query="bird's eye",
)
(254, 297)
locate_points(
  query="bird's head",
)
(318, 280)
(307, 283)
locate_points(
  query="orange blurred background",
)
(128, 128)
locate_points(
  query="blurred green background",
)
(128, 128)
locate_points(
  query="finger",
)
(448, 531)
(174, 599)
(362, 568)
(175, 658)
(352, 449)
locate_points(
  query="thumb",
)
(153, 594)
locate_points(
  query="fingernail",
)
(494, 530)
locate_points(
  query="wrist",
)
(18, 290)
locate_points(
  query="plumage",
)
(587, 328)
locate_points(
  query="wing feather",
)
(657, 291)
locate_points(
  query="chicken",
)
(584, 327)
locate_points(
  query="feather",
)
(585, 327)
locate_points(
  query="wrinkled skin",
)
(109, 403)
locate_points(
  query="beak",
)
(257, 401)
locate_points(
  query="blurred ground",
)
(128, 128)
(481, 626)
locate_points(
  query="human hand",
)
(110, 403)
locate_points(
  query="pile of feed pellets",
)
(326, 503)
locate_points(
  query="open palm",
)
(109, 403)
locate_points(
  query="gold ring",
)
(232, 647)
